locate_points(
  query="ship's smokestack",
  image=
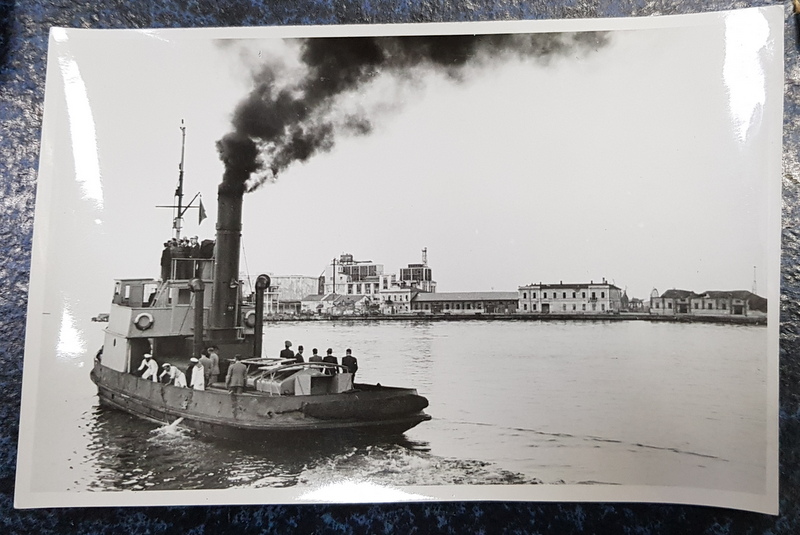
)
(224, 309)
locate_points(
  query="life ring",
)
(143, 321)
(250, 319)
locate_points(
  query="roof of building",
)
(570, 285)
(678, 294)
(466, 296)
(755, 302)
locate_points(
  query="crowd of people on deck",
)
(183, 248)
(205, 370)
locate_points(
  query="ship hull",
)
(368, 410)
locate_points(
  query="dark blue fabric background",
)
(24, 27)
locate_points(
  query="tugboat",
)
(174, 319)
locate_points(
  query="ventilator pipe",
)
(262, 284)
(198, 289)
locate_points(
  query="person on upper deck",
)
(332, 360)
(237, 376)
(166, 261)
(287, 353)
(150, 367)
(194, 247)
(350, 362)
(314, 356)
(298, 357)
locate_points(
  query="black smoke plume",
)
(278, 123)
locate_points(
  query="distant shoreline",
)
(729, 320)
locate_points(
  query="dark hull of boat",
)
(367, 410)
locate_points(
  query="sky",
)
(630, 161)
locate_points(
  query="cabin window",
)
(447, 306)
(564, 308)
(127, 294)
(534, 295)
(602, 294)
(573, 295)
(695, 306)
(658, 306)
(368, 288)
(722, 306)
(583, 306)
(469, 306)
(184, 296)
(524, 295)
(545, 295)
(574, 307)
(534, 307)
(594, 295)
(583, 295)
(710, 306)
(602, 306)
(669, 305)
(564, 295)
(525, 307)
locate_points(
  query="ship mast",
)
(177, 221)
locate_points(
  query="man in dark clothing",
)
(166, 261)
(298, 357)
(351, 363)
(237, 376)
(287, 353)
(329, 358)
(314, 356)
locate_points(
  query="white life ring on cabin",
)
(143, 321)
(250, 318)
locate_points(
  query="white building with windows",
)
(578, 298)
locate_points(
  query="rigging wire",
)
(246, 267)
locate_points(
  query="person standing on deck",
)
(350, 362)
(314, 356)
(298, 358)
(214, 357)
(206, 362)
(166, 261)
(329, 358)
(150, 367)
(198, 377)
(287, 353)
(237, 376)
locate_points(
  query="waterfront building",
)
(335, 305)
(286, 292)
(348, 276)
(397, 299)
(465, 303)
(418, 276)
(677, 302)
(577, 298)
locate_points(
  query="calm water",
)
(512, 402)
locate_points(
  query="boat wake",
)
(395, 465)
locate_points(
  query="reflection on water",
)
(133, 454)
(512, 402)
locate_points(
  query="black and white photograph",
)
(479, 261)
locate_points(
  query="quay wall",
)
(733, 320)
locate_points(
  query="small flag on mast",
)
(201, 212)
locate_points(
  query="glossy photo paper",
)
(486, 261)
